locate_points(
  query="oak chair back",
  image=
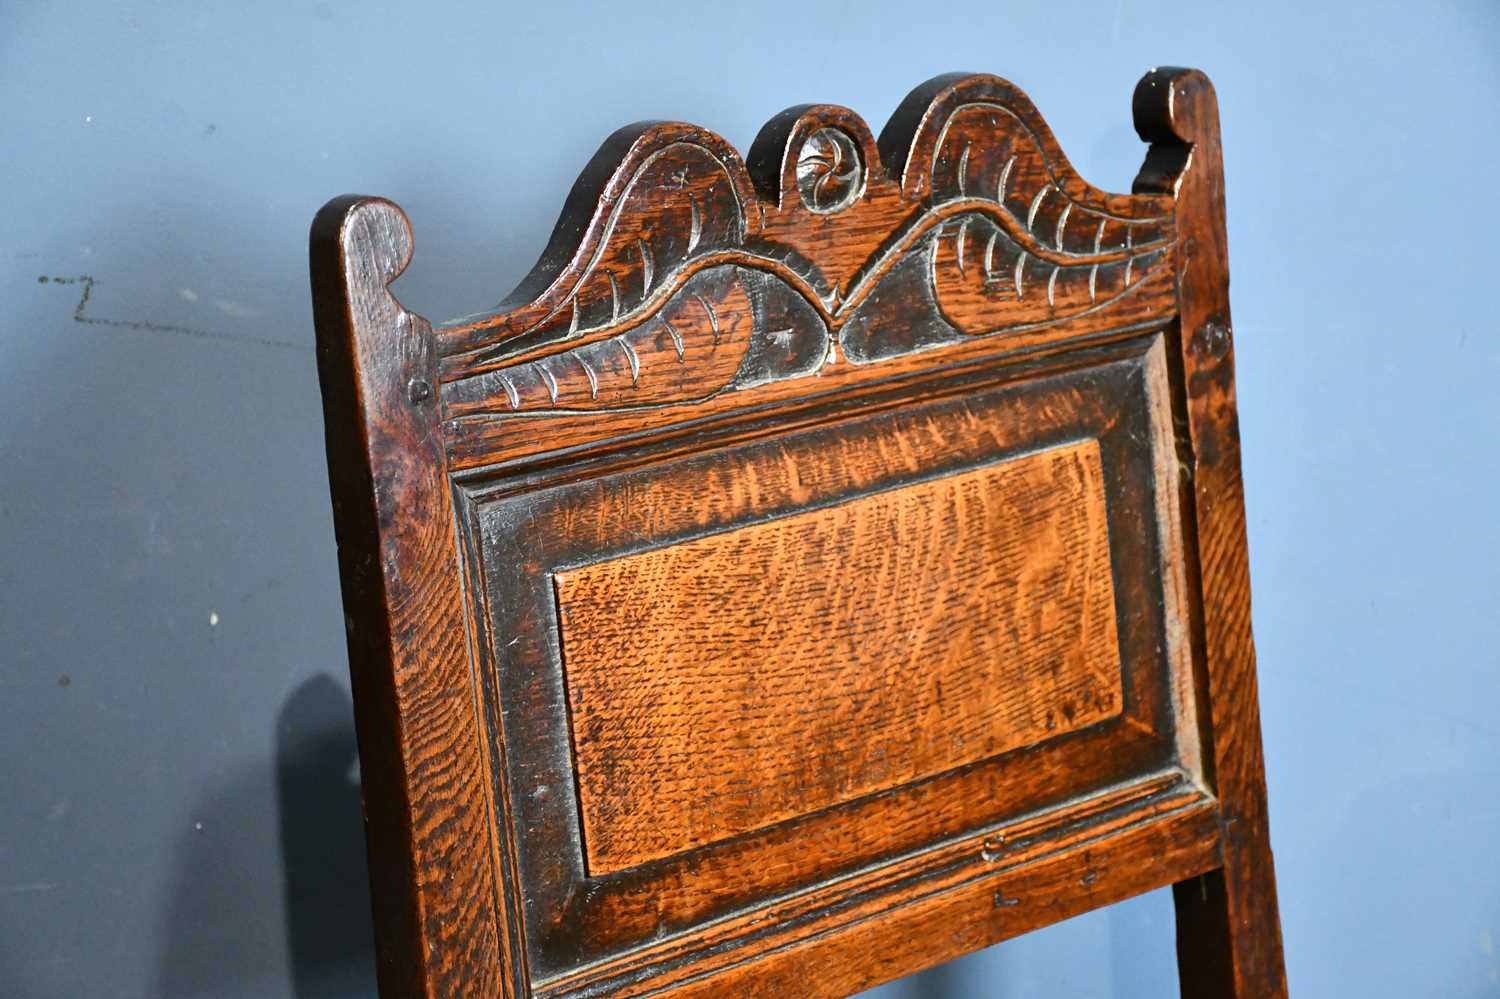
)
(828, 562)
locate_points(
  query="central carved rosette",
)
(830, 174)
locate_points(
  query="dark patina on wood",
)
(826, 563)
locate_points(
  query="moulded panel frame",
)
(517, 519)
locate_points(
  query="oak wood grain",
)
(730, 682)
(1137, 858)
(974, 882)
(562, 519)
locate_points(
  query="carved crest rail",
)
(680, 274)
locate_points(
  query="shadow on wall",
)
(245, 918)
(225, 911)
(222, 918)
(323, 843)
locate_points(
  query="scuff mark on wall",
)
(80, 315)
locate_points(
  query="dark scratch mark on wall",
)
(80, 315)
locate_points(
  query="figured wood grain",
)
(628, 507)
(734, 681)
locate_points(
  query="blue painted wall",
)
(179, 815)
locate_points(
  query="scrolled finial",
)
(1176, 110)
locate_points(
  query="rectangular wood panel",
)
(721, 685)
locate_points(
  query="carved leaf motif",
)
(1029, 252)
(677, 201)
(985, 151)
(653, 233)
(727, 327)
(986, 281)
(791, 339)
(900, 316)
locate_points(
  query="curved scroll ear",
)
(358, 246)
(1176, 110)
(353, 233)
